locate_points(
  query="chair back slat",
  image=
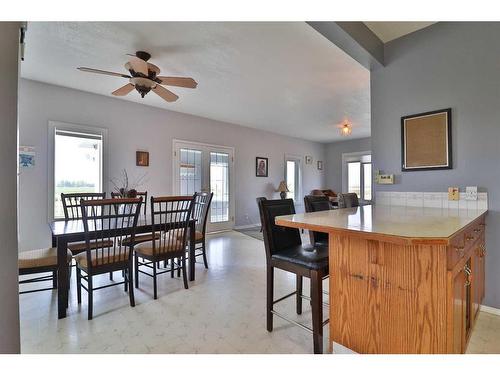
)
(315, 203)
(71, 203)
(106, 222)
(277, 237)
(139, 194)
(200, 211)
(170, 217)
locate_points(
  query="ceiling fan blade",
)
(124, 90)
(139, 65)
(168, 95)
(178, 81)
(90, 70)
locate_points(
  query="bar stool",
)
(284, 250)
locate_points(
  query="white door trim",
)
(350, 156)
(177, 143)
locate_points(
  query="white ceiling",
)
(387, 31)
(283, 77)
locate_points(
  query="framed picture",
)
(309, 159)
(261, 166)
(142, 158)
(320, 165)
(426, 141)
(26, 156)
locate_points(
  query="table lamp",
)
(283, 189)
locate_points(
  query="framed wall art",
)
(261, 166)
(426, 141)
(142, 158)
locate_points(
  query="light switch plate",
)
(453, 194)
(471, 193)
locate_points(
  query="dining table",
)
(68, 231)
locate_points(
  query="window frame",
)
(77, 128)
(298, 192)
(360, 157)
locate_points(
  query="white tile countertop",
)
(400, 221)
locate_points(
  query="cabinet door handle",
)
(477, 230)
(469, 238)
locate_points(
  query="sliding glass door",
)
(203, 167)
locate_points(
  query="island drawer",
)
(464, 241)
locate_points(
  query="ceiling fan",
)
(144, 77)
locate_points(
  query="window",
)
(358, 175)
(77, 163)
(293, 178)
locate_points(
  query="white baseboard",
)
(247, 226)
(491, 310)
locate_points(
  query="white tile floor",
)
(222, 312)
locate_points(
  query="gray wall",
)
(453, 65)
(334, 153)
(9, 315)
(132, 127)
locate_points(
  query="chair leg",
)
(125, 279)
(79, 285)
(204, 254)
(54, 279)
(299, 293)
(130, 281)
(184, 276)
(171, 268)
(270, 296)
(155, 291)
(91, 299)
(111, 276)
(178, 267)
(317, 311)
(136, 269)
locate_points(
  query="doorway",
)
(204, 167)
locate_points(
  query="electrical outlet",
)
(453, 194)
(471, 193)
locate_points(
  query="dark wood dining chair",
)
(139, 238)
(201, 210)
(315, 203)
(284, 250)
(40, 261)
(106, 221)
(348, 200)
(170, 217)
(72, 211)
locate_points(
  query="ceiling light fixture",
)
(345, 130)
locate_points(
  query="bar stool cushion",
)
(101, 257)
(40, 258)
(312, 257)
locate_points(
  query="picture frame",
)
(309, 159)
(320, 165)
(142, 158)
(426, 141)
(261, 166)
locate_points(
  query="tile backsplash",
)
(425, 199)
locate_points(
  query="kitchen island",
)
(402, 279)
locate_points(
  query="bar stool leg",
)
(299, 293)
(317, 311)
(270, 297)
